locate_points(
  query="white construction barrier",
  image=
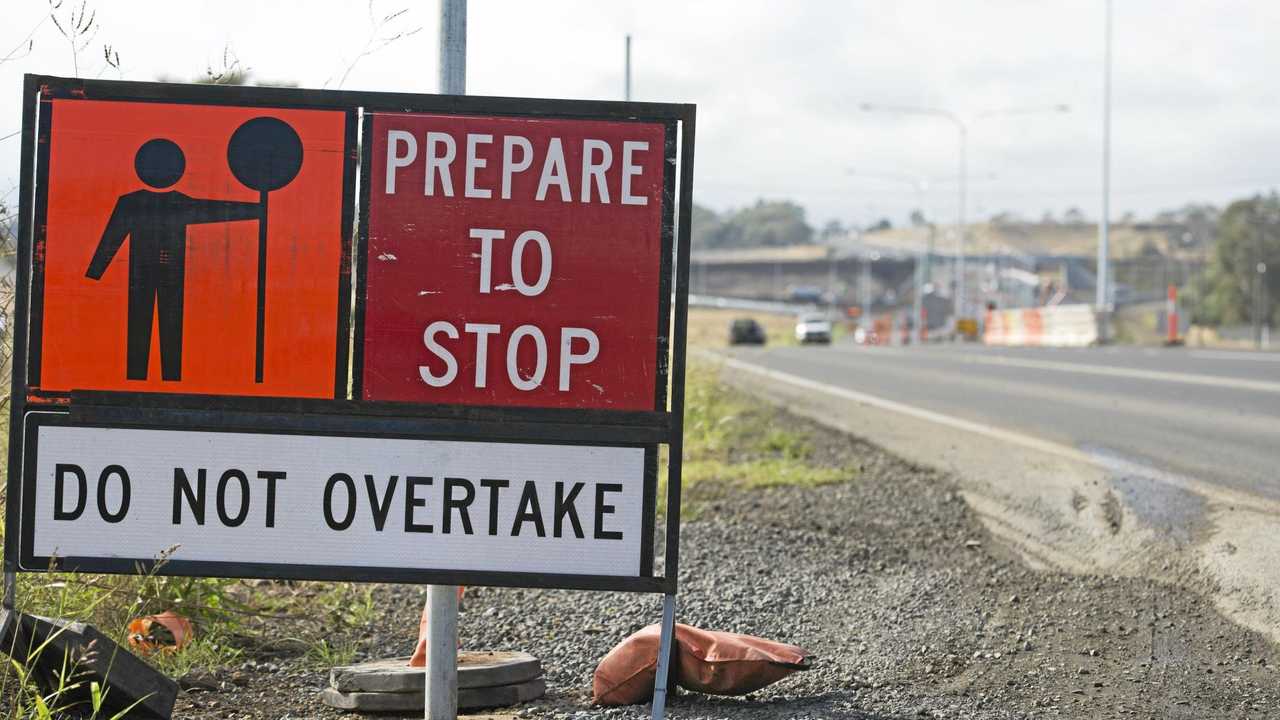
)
(1059, 326)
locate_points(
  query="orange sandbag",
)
(722, 663)
(167, 632)
(708, 661)
(419, 658)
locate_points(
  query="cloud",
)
(778, 86)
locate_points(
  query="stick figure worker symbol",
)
(264, 154)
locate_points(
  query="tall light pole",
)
(1103, 299)
(962, 129)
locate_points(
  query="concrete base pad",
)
(475, 670)
(468, 698)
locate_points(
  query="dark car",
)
(745, 331)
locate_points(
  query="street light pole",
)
(1104, 223)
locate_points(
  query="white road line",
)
(1034, 443)
(1239, 355)
(1208, 490)
(1136, 373)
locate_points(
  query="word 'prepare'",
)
(463, 505)
(517, 156)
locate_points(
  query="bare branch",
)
(380, 36)
(232, 72)
(24, 48)
(78, 28)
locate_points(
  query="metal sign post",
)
(441, 699)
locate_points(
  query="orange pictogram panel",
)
(193, 249)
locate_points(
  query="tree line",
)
(1242, 281)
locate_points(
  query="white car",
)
(813, 329)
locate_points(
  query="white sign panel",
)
(337, 501)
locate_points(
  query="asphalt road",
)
(1212, 416)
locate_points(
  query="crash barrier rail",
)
(765, 306)
(1060, 326)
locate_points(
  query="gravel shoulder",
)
(913, 609)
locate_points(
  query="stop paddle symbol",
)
(264, 154)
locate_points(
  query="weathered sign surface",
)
(514, 261)
(289, 333)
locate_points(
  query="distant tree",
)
(1149, 249)
(1006, 218)
(1128, 218)
(768, 223)
(1047, 218)
(1074, 216)
(707, 230)
(1248, 233)
(917, 218)
(832, 230)
(1198, 221)
(1202, 224)
(882, 224)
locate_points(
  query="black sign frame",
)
(342, 414)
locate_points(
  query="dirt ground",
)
(912, 609)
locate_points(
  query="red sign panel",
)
(513, 261)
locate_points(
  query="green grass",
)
(733, 443)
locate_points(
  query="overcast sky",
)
(779, 84)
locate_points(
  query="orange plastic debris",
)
(708, 661)
(165, 632)
(419, 658)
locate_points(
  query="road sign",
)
(199, 380)
(158, 260)
(299, 505)
(515, 261)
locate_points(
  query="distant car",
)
(745, 331)
(806, 294)
(813, 329)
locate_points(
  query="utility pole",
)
(864, 286)
(1259, 310)
(627, 90)
(440, 701)
(1264, 304)
(832, 259)
(1103, 299)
